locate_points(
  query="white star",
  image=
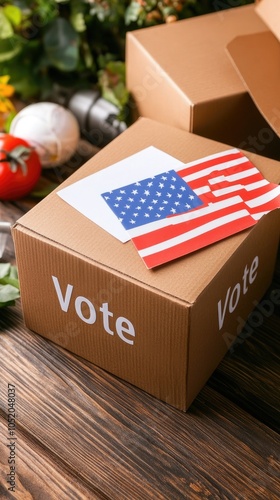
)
(127, 206)
(146, 215)
(154, 202)
(150, 208)
(177, 203)
(182, 188)
(191, 197)
(149, 184)
(107, 197)
(134, 191)
(131, 199)
(161, 208)
(122, 191)
(146, 192)
(142, 200)
(116, 205)
(158, 194)
(161, 185)
(172, 186)
(163, 177)
(132, 221)
(138, 208)
(137, 183)
(135, 215)
(173, 210)
(187, 205)
(169, 195)
(179, 195)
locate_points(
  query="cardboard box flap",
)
(269, 12)
(257, 60)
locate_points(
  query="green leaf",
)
(9, 284)
(8, 294)
(14, 273)
(9, 48)
(61, 43)
(13, 14)
(132, 12)
(6, 29)
(4, 270)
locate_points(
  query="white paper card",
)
(85, 195)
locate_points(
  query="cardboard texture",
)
(256, 59)
(165, 330)
(181, 74)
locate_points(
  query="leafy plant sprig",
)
(9, 285)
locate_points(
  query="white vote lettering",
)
(233, 295)
(86, 311)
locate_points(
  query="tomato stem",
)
(17, 158)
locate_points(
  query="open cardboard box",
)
(256, 58)
(163, 330)
(181, 74)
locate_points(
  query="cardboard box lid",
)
(195, 64)
(269, 12)
(256, 58)
(61, 225)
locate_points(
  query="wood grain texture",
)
(121, 443)
(38, 473)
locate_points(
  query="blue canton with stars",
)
(151, 199)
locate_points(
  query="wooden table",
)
(81, 433)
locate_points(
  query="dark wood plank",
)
(124, 443)
(38, 473)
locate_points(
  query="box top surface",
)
(269, 12)
(256, 60)
(59, 223)
(188, 53)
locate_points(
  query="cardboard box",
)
(256, 60)
(181, 74)
(163, 330)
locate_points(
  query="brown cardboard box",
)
(256, 59)
(157, 329)
(181, 74)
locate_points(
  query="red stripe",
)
(209, 163)
(197, 243)
(162, 234)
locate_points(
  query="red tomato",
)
(20, 167)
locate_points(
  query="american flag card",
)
(183, 210)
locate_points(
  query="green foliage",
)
(9, 285)
(78, 43)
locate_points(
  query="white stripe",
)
(202, 190)
(193, 233)
(238, 187)
(234, 177)
(258, 215)
(184, 217)
(210, 209)
(207, 171)
(261, 200)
